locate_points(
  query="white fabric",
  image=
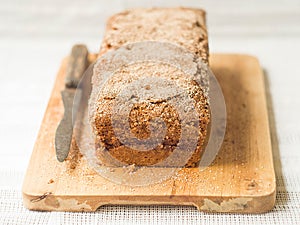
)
(36, 35)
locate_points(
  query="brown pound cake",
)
(180, 26)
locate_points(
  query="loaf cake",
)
(183, 27)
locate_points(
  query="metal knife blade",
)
(64, 131)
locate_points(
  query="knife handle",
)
(77, 64)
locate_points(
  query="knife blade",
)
(77, 64)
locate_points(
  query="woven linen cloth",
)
(36, 35)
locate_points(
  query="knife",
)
(77, 64)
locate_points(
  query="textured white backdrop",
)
(36, 35)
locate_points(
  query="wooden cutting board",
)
(241, 178)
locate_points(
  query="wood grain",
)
(241, 178)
